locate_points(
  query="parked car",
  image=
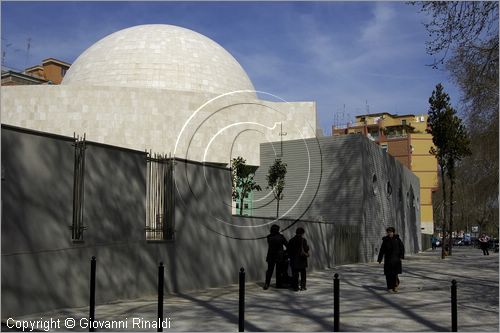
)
(458, 241)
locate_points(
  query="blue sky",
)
(355, 56)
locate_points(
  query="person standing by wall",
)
(275, 256)
(484, 244)
(392, 251)
(298, 251)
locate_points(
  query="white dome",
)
(159, 56)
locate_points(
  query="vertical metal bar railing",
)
(78, 188)
(159, 197)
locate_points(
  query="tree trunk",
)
(444, 214)
(452, 182)
(241, 205)
(277, 208)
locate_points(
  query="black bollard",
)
(92, 294)
(161, 279)
(241, 314)
(336, 303)
(454, 325)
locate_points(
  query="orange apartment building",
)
(51, 71)
(403, 137)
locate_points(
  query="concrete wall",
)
(330, 180)
(195, 126)
(383, 208)
(318, 169)
(52, 271)
(43, 269)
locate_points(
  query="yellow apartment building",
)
(403, 137)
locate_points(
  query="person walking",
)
(275, 256)
(434, 242)
(298, 251)
(392, 251)
(484, 244)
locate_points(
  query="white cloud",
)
(376, 31)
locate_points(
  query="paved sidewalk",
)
(422, 305)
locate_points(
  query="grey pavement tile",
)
(422, 304)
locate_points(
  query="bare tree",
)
(463, 38)
(471, 26)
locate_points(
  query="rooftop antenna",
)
(343, 113)
(28, 47)
(338, 117)
(4, 49)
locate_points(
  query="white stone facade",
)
(167, 108)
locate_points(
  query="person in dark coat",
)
(392, 251)
(275, 256)
(298, 251)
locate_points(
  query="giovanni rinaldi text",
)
(69, 323)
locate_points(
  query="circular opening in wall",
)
(374, 184)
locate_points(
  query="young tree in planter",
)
(243, 182)
(276, 181)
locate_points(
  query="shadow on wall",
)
(387, 187)
(210, 246)
(207, 232)
(37, 191)
(338, 201)
(52, 271)
(331, 181)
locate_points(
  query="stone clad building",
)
(158, 112)
(404, 137)
(161, 88)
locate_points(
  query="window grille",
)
(77, 226)
(159, 198)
